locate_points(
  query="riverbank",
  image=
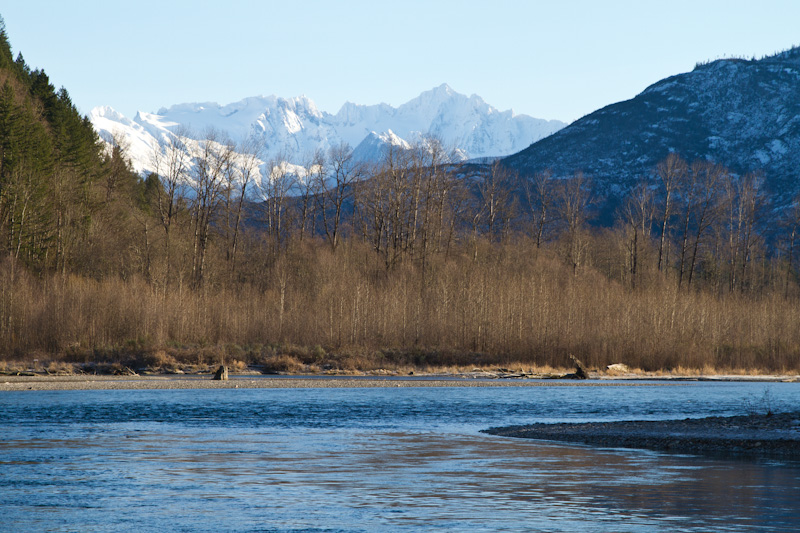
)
(39, 382)
(164, 365)
(756, 435)
(91, 382)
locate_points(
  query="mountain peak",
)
(439, 93)
(444, 89)
(106, 111)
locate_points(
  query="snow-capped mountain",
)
(375, 146)
(292, 129)
(744, 114)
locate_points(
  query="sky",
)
(548, 59)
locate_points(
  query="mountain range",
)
(293, 128)
(744, 114)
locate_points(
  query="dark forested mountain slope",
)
(744, 114)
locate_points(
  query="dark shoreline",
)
(750, 436)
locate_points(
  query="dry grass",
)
(59, 368)
(282, 363)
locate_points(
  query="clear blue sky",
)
(550, 59)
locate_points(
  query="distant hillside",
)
(744, 114)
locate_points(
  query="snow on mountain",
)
(375, 146)
(292, 129)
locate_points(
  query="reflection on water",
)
(372, 460)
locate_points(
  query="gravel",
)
(775, 435)
(100, 382)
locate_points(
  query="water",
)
(391, 459)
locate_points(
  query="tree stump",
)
(221, 374)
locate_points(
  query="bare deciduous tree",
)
(742, 203)
(275, 189)
(335, 189)
(307, 186)
(791, 223)
(238, 177)
(637, 213)
(540, 191)
(700, 193)
(496, 198)
(171, 164)
(211, 163)
(573, 207)
(672, 172)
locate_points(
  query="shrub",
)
(274, 364)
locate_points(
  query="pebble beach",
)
(754, 435)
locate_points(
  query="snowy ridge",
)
(292, 129)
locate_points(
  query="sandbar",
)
(752, 435)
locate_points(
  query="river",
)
(377, 459)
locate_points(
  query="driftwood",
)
(124, 371)
(221, 374)
(580, 372)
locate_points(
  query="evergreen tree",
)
(6, 57)
(51, 163)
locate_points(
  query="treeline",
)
(58, 186)
(414, 261)
(697, 224)
(417, 261)
(510, 307)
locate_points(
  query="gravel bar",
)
(776, 435)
